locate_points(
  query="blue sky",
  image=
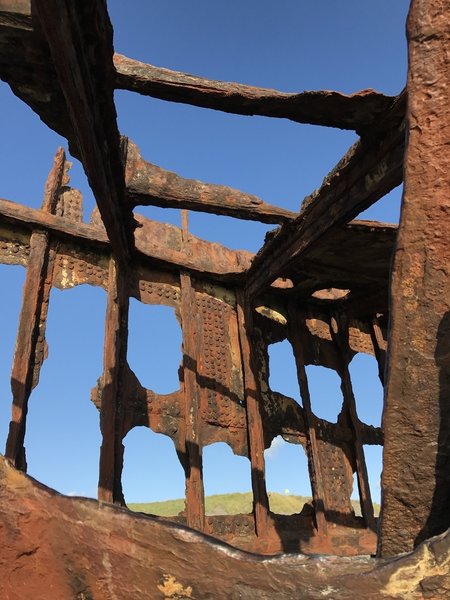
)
(290, 45)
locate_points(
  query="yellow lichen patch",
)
(171, 588)
(271, 313)
(219, 293)
(405, 582)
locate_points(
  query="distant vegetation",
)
(233, 504)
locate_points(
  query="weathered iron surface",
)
(79, 37)
(252, 392)
(356, 111)
(192, 355)
(416, 475)
(148, 184)
(370, 169)
(59, 547)
(159, 242)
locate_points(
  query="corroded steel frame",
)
(232, 305)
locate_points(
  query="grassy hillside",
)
(232, 504)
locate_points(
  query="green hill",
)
(232, 504)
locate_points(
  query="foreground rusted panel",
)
(59, 547)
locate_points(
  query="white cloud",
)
(274, 447)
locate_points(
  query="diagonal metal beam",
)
(370, 169)
(79, 35)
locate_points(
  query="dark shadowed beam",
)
(150, 185)
(379, 346)
(193, 443)
(26, 66)
(355, 257)
(357, 111)
(106, 552)
(113, 392)
(79, 35)
(255, 426)
(297, 338)
(339, 329)
(371, 168)
(416, 419)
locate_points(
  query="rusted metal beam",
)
(30, 350)
(79, 36)
(370, 169)
(112, 386)
(254, 420)
(195, 496)
(339, 332)
(102, 552)
(316, 473)
(157, 243)
(190, 323)
(379, 346)
(356, 111)
(150, 185)
(416, 418)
